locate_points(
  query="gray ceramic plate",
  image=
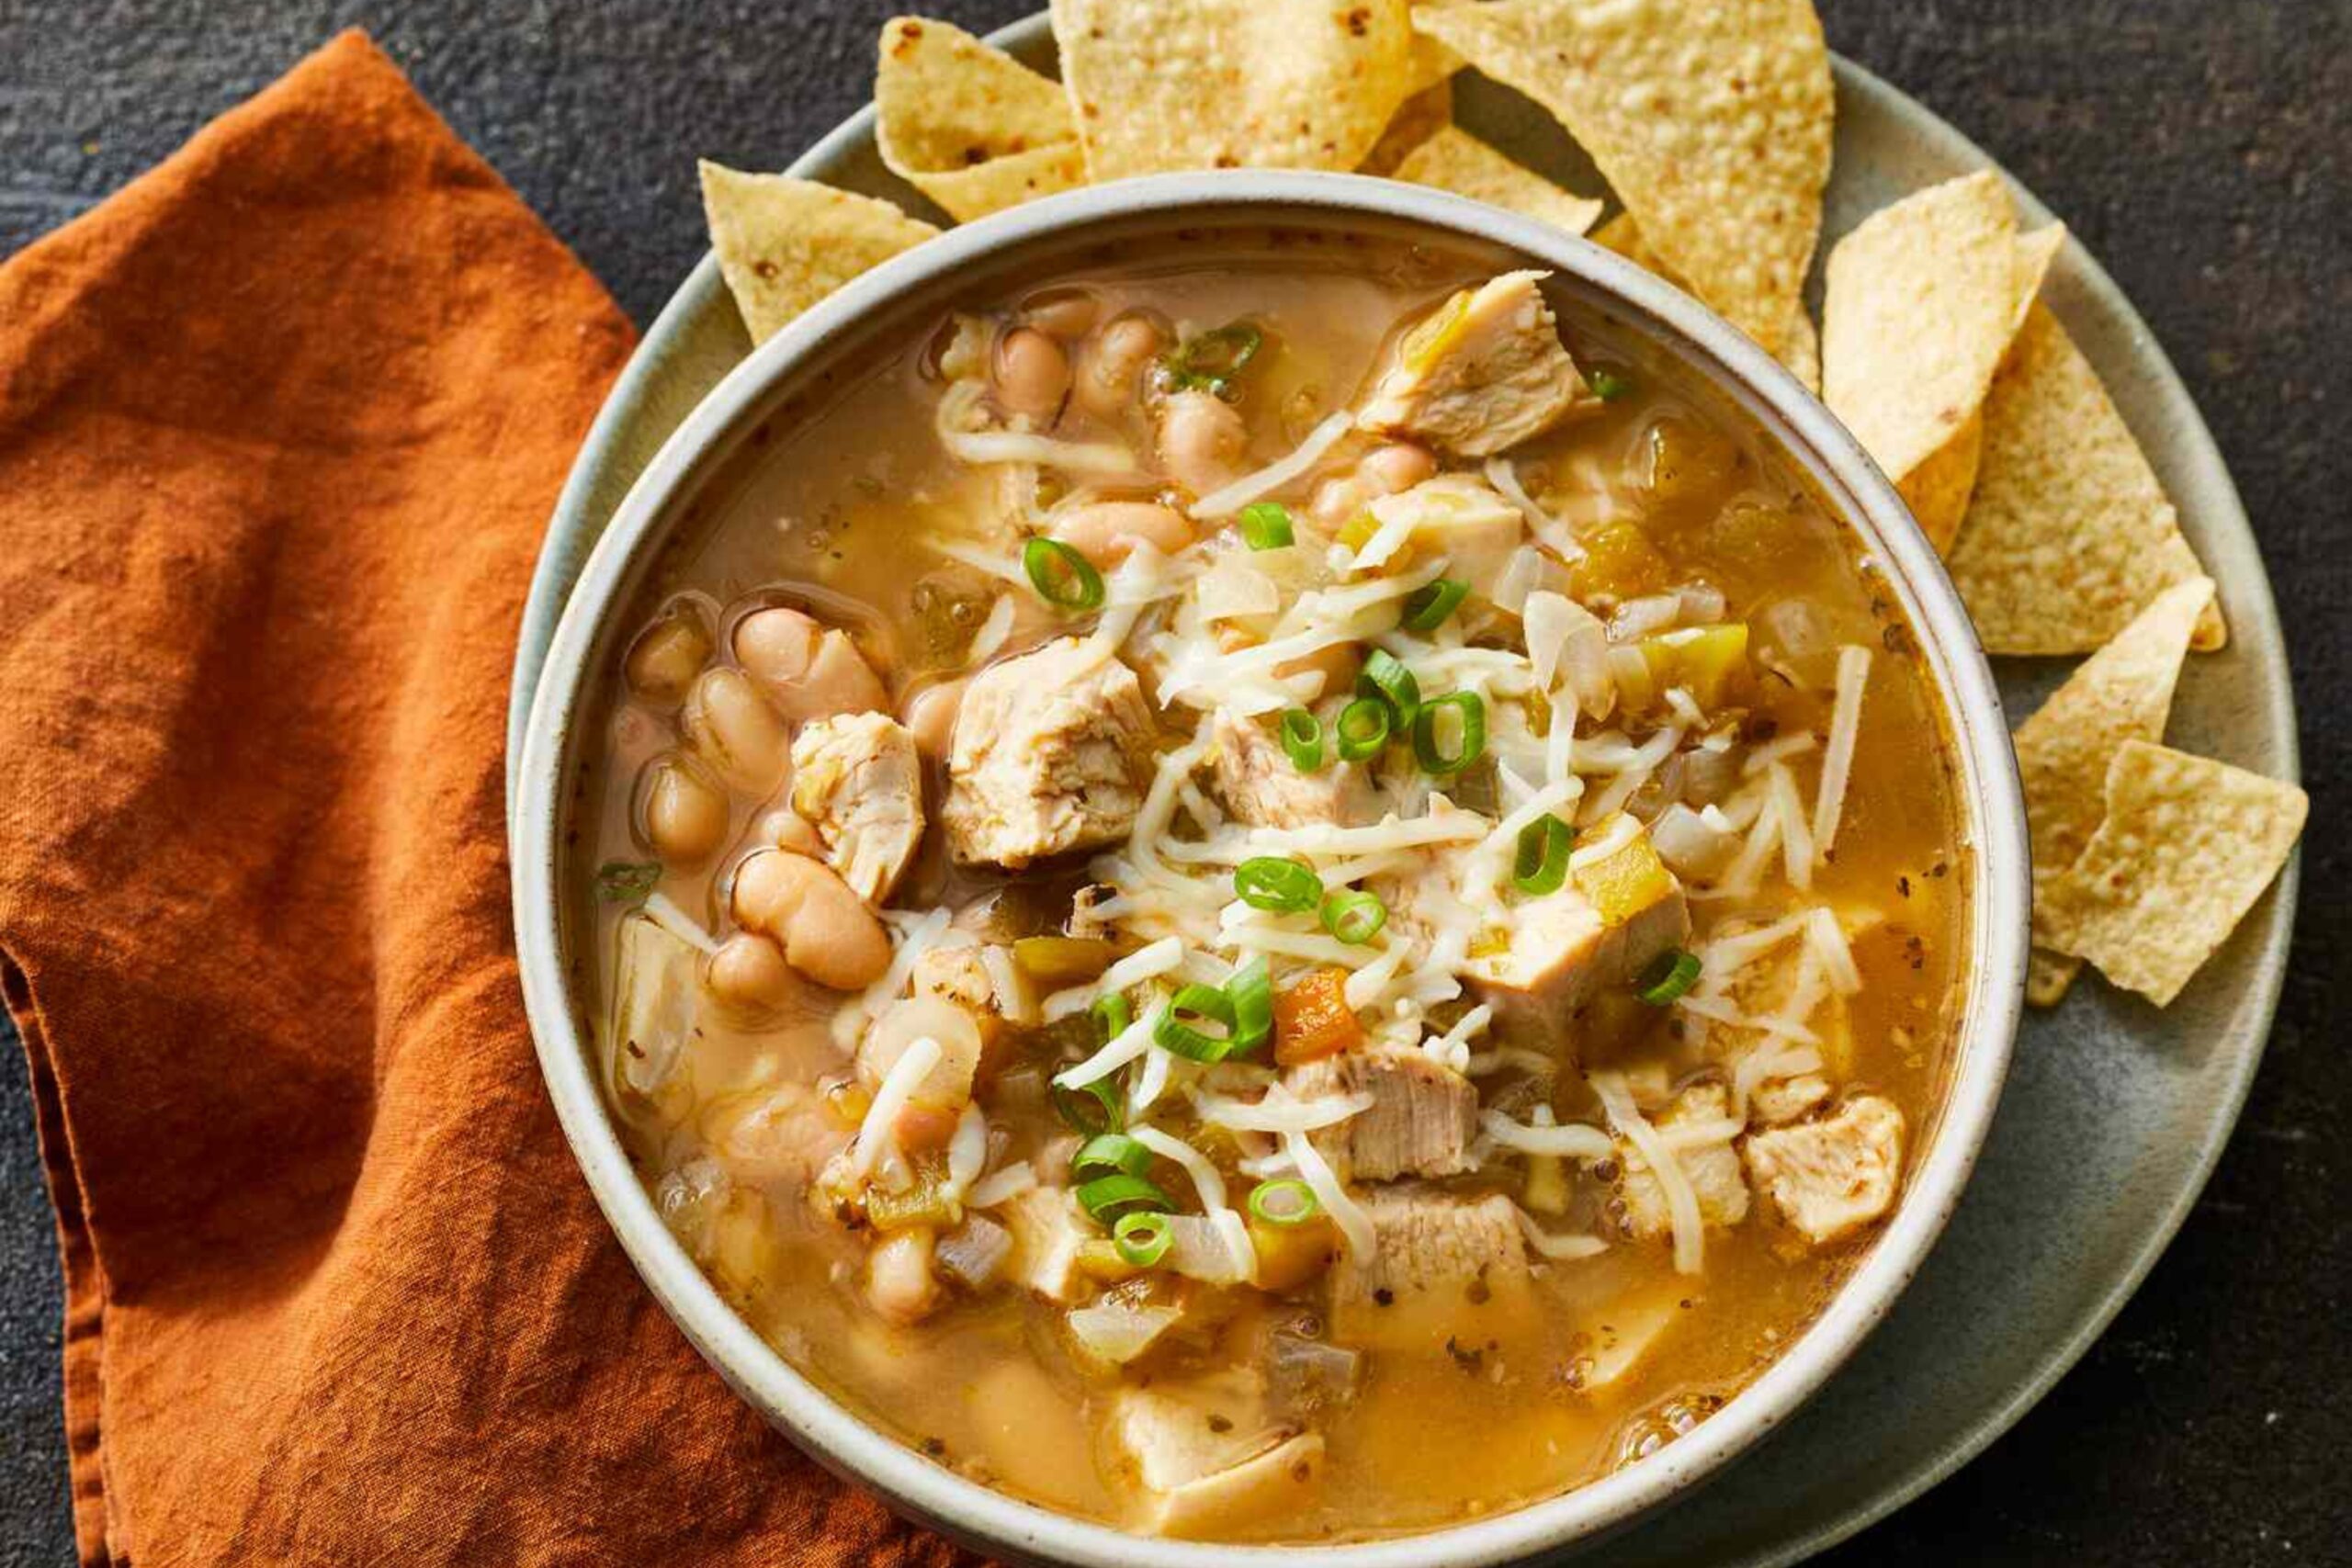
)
(2114, 1112)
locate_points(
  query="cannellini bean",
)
(748, 973)
(898, 1275)
(685, 809)
(1385, 470)
(1202, 441)
(732, 727)
(667, 655)
(930, 717)
(1106, 532)
(922, 1128)
(825, 930)
(1065, 313)
(1030, 373)
(1113, 363)
(808, 671)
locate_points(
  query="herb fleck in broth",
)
(1467, 1251)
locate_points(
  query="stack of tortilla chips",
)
(1711, 121)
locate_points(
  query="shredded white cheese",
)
(877, 1132)
(1561, 1248)
(1345, 1212)
(1681, 1199)
(1838, 761)
(1147, 963)
(1571, 1142)
(1232, 497)
(1002, 1186)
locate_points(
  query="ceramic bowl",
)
(1038, 240)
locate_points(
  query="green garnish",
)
(1266, 525)
(1472, 743)
(1427, 608)
(1385, 677)
(1251, 991)
(1062, 577)
(1089, 1109)
(1301, 736)
(1108, 1197)
(628, 881)
(1143, 1239)
(1269, 881)
(1363, 729)
(1243, 1008)
(1354, 916)
(1608, 385)
(1540, 862)
(1107, 1154)
(1668, 977)
(1212, 361)
(1112, 1015)
(1286, 1200)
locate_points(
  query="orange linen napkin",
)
(280, 425)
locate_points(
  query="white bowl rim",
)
(1989, 796)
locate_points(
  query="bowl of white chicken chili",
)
(1269, 862)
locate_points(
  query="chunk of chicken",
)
(1441, 1268)
(1209, 1456)
(1484, 374)
(1455, 516)
(1047, 1233)
(1261, 786)
(1699, 1127)
(959, 975)
(1421, 1120)
(1049, 756)
(1561, 948)
(857, 780)
(1829, 1178)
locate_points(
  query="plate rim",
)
(576, 521)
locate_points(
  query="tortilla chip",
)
(2187, 846)
(1456, 161)
(1713, 125)
(2068, 534)
(1800, 350)
(1430, 64)
(1921, 305)
(1231, 84)
(784, 244)
(2049, 976)
(969, 125)
(1417, 120)
(1937, 491)
(2121, 692)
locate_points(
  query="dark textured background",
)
(2199, 147)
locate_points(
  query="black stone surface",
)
(2202, 149)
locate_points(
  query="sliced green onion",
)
(1385, 677)
(1302, 735)
(1089, 1110)
(1266, 525)
(1472, 743)
(1107, 1154)
(628, 881)
(1354, 916)
(1269, 881)
(1362, 728)
(1062, 577)
(1666, 977)
(1540, 862)
(1172, 1032)
(1143, 1239)
(1286, 1200)
(1426, 607)
(1251, 991)
(1210, 361)
(1112, 1015)
(1608, 385)
(1108, 1197)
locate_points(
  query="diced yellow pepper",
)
(1626, 881)
(1432, 337)
(1708, 662)
(1289, 1256)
